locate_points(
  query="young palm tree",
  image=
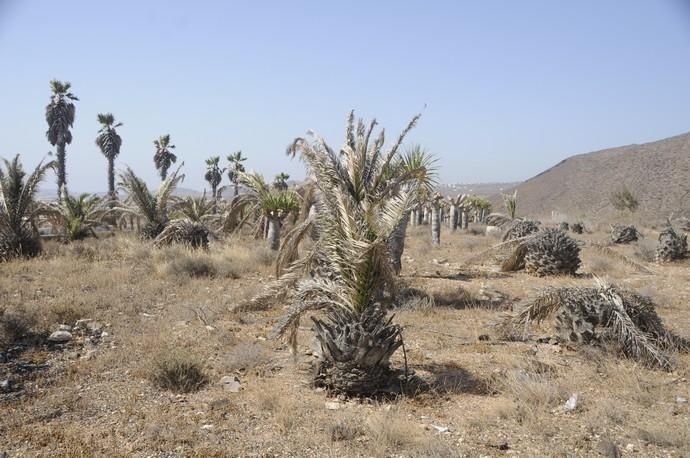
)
(140, 202)
(163, 157)
(60, 117)
(78, 216)
(199, 209)
(109, 142)
(18, 209)
(235, 168)
(345, 272)
(214, 175)
(280, 181)
(268, 206)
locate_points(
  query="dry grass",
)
(155, 308)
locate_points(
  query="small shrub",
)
(343, 431)
(200, 265)
(66, 313)
(177, 371)
(14, 325)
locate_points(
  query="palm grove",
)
(341, 255)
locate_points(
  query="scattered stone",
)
(630, 448)
(231, 383)
(332, 405)
(681, 400)
(60, 337)
(207, 427)
(608, 449)
(491, 295)
(65, 327)
(499, 443)
(5, 385)
(571, 403)
(440, 429)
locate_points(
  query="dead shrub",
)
(177, 371)
(66, 313)
(343, 430)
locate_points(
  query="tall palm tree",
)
(18, 209)
(280, 181)
(60, 117)
(109, 142)
(163, 158)
(436, 219)
(345, 272)
(152, 207)
(268, 206)
(235, 168)
(214, 175)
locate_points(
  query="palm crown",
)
(163, 157)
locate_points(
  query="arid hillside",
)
(657, 173)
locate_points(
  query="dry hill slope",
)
(658, 173)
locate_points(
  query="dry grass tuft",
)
(177, 371)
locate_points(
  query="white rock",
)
(231, 383)
(440, 429)
(571, 403)
(65, 327)
(332, 405)
(207, 427)
(681, 400)
(60, 337)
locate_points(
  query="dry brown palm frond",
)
(289, 249)
(516, 260)
(515, 326)
(611, 253)
(501, 250)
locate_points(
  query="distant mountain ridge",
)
(657, 173)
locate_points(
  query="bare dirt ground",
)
(95, 395)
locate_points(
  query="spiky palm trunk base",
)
(356, 351)
(672, 245)
(521, 228)
(624, 234)
(151, 230)
(552, 252)
(600, 315)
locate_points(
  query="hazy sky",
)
(510, 87)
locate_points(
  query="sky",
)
(506, 88)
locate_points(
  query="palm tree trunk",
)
(396, 245)
(356, 351)
(453, 218)
(273, 233)
(61, 173)
(465, 219)
(435, 224)
(237, 188)
(111, 178)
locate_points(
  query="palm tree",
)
(60, 117)
(152, 207)
(235, 168)
(345, 272)
(269, 206)
(214, 175)
(280, 181)
(109, 142)
(18, 209)
(79, 216)
(415, 158)
(163, 157)
(436, 219)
